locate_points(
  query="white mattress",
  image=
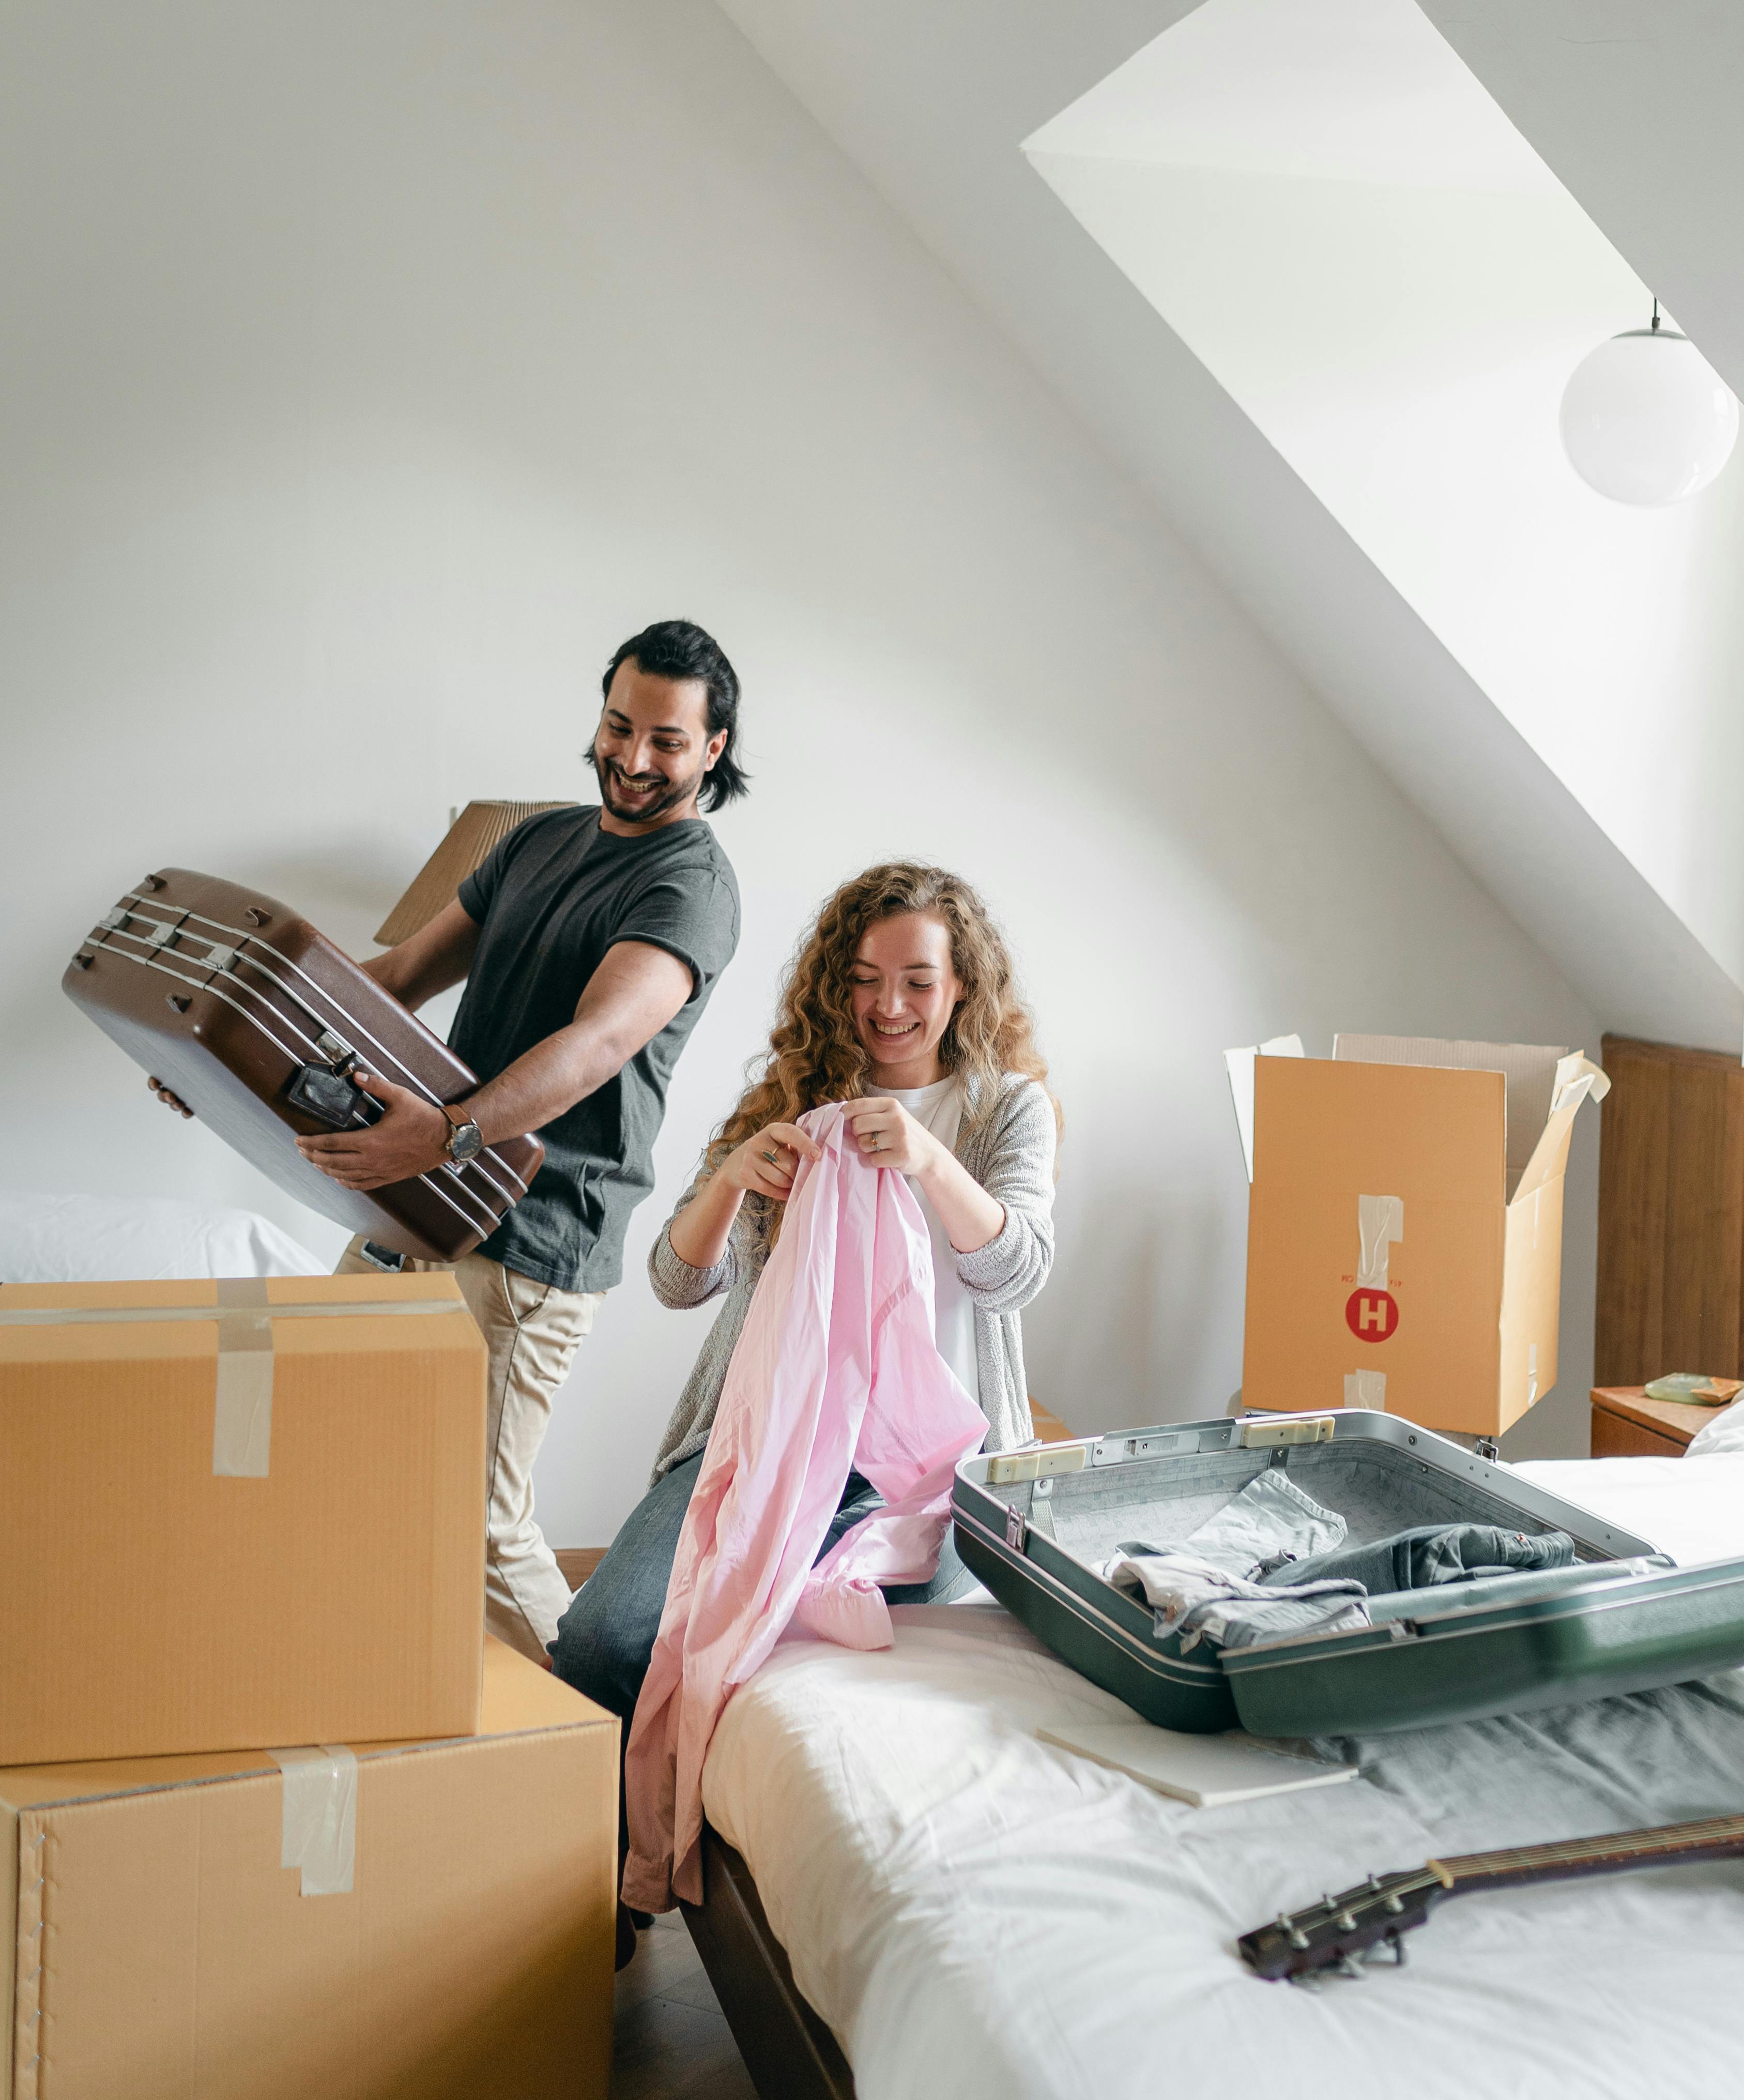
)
(105, 1239)
(978, 1915)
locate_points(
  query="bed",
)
(110, 1239)
(966, 1910)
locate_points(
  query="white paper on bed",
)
(974, 1914)
(105, 1239)
(1205, 1771)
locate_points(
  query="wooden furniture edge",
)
(575, 1563)
(1626, 1424)
(789, 2053)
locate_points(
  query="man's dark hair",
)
(678, 649)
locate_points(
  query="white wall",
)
(374, 369)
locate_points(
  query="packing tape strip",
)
(318, 1832)
(1367, 1389)
(83, 1316)
(1380, 1221)
(1577, 1078)
(242, 1405)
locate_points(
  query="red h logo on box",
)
(1371, 1315)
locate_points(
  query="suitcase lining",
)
(1376, 1493)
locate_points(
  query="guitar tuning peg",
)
(1396, 1941)
(1349, 1967)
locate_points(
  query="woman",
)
(901, 1006)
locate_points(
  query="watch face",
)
(466, 1144)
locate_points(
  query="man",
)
(590, 940)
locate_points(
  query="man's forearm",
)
(545, 1081)
(436, 956)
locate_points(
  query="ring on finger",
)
(769, 1155)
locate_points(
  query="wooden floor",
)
(671, 2041)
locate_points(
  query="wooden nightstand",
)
(1627, 1424)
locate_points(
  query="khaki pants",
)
(532, 1331)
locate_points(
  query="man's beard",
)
(608, 773)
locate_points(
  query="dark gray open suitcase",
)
(1034, 1525)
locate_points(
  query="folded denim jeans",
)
(1272, 1521)
(1198, 1602)
(1426, 1555)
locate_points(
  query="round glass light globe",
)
(1646, 419)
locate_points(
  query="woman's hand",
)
(888, 1135)
(765, 1165)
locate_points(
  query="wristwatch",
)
(466, 1141)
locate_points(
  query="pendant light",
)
(1646, 419)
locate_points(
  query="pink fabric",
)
(836, 1367)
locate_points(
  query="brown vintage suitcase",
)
(244, 1010)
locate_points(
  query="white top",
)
(939, 1109)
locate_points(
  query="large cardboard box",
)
(1405, 1226)
(239, 1514)
(428, 1920)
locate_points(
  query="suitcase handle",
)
(328, 1096)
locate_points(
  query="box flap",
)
(1239, 1063)
(1577, 1079)
(1530, 1069)
(519, 1699)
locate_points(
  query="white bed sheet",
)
(105, 1239)
(978, 1915)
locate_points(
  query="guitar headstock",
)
(1333, 1932)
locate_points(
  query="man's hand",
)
(169, 1101)
(410, 1139)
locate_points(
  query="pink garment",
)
(836, 1366)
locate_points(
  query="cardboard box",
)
(1405, 1226)
(164, 1950)
(226, 1525)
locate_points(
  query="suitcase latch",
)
(1013, 1527)
(336, 1050)
(1258, 1436)
(1039, 1462)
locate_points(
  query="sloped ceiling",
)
(932, 102)
(1635, 105)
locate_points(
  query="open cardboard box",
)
(1405, 1224)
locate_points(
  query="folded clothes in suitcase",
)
(243, 1010)
(1039, 1527)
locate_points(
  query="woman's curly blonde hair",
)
(814, 1055)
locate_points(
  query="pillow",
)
(105, 1239)
(1725, 1432)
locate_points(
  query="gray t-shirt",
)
(550, 900)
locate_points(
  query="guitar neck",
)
(1716, 1838)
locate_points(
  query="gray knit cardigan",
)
(1011, 1153)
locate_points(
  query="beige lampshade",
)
(479, 826)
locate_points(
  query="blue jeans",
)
(606, 1636)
